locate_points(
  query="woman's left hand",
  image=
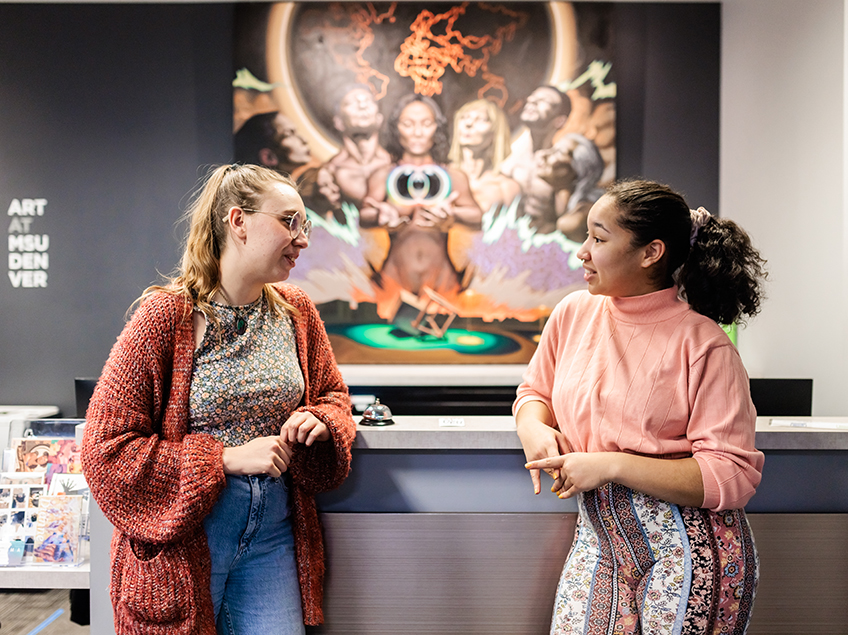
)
(304, 427)
(578, 471)
(677, 481)
(439, 216)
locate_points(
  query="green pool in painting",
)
(387, 336)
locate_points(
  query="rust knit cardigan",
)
(155, 482)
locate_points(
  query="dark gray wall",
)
(109, 112)
(668, 58)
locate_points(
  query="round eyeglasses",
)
(294, 221)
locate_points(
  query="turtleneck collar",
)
(649, 308)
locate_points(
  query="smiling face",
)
(611, 264)
(416, 129)
(269, 251)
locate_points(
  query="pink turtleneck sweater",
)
(648, 375)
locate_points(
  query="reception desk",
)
(437, 530)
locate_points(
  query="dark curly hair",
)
(721, 274)
(441, 138)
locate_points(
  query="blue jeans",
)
(255, 590)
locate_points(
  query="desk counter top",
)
(498, 433)
(802, 433)
(43, 576)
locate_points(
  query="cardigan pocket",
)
(156, 595)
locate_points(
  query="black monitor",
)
(83, 389)
(782, 397)
(771, 397)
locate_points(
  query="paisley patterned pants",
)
(641, 565)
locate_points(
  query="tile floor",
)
(25, 611)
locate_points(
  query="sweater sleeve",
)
(538, 379)
(722, 428)
(324, 465)
(154, 486)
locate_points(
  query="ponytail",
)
(718, 270)
(723, 275)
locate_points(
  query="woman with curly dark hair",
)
(637, 403)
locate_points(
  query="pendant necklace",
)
(241, 312)
(241, 323)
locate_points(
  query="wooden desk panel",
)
(497, 573)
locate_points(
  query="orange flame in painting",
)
(347, 31)
(425, 55)
(354, 31)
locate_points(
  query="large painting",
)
(448, 154)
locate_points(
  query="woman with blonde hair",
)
(218, 416)
(481, 141)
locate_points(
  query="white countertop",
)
(498, 433)
(45, 577)
(27, 412)
(432, 374)
(802, 433)
(425, 433)
(48, 576)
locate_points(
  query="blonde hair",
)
(197, 278)
(501, 135)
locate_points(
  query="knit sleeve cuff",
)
(712, 492)
(202, 477)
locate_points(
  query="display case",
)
(51, 516)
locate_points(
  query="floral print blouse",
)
(246, 380)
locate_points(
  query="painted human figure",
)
(544, 169)
(481, 141)
(271, 139)
(575, 165)
(358, 119)
(418, 198)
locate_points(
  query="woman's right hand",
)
(265, 455)
(385, 214)
(541, 441)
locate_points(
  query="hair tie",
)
(699, 218)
